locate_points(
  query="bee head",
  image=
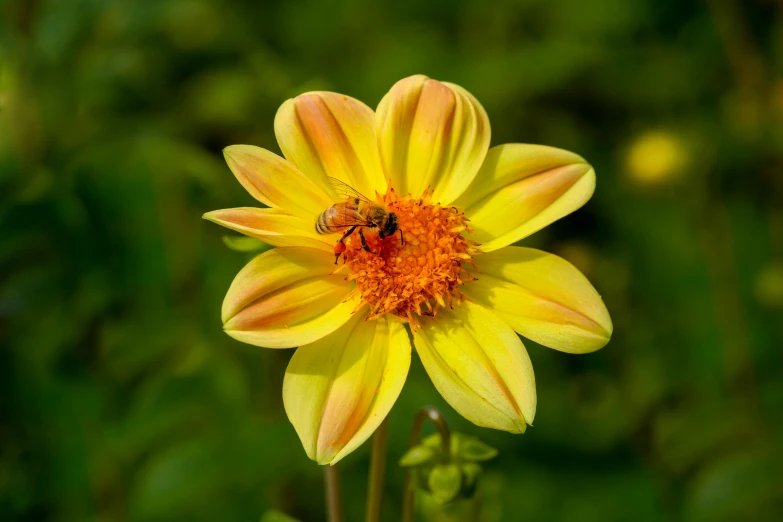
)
(390, 227)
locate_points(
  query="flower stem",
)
(377, 471)
(434, 415)
(334, 503)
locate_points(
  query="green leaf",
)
(245, 244)
(417, 456)
(445, 483)
(432, 441)
(277, 516)
(475, 450)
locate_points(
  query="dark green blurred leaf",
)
(277, 516)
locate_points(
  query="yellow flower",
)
(656, 157)
(465, 293)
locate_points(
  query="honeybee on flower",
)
(356, 212)
(430, 251)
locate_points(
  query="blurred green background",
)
(122, 400)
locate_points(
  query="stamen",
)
(420, 276)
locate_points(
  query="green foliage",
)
(277, 516)
(121, 399)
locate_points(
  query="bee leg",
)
(364, 241)
(339, 248)
(347, 233)
(402, 239)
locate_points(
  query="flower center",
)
(422, 274)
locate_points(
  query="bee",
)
(356, 212)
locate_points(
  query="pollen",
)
(419, 273)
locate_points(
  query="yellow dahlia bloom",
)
(464, 292)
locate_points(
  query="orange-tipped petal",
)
(339, 389)
(479, 365)
(287, 297)
(523, 188)
(542, 297)
(431, 134)
(328, 134)
(276, 182)
(272, 226)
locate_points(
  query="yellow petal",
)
(542, 297)
(338, 390)
(272, 226)
(275, 182)
(523, 188)
(328, 134)
(287, 297)
(479, 365)
(431, 134)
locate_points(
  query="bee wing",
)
(352, 218)
(344, 190)
(344, 215)
(349, 225)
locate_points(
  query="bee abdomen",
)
(321, 225)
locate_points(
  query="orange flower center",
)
(419, 276)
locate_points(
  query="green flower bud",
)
(417, 456)
(448, 475)
(473, 449)
(445, 483)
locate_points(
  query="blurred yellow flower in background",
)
(768, 285)
(656, 157)
(451, 275)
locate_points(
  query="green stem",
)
(334, 502)
(434, 415)
(377, 471)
